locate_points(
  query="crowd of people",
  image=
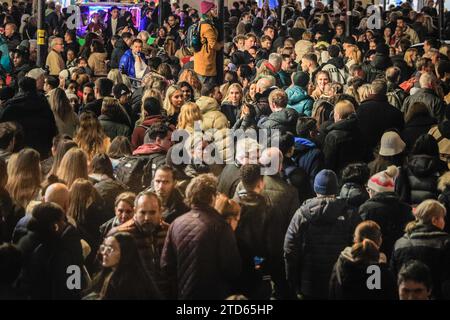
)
(95, 205)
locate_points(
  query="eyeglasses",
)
(104, 249)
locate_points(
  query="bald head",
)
(58, 193)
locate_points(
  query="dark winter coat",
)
(232, 112)
(229, 179)
(284, 120)
(113, 128)
(354, 194)
(200, 256)
(10, 214)
(435, 104)
(414, 128)
(174, 206)
(307, 155)
(137, 138)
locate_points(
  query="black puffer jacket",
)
(318, 232)
(342, 144)
(418, 179)
(200, 256)
(174, 207)
(118, 52)
(113, 128)
(262, 107)
(349, 280)
(431, 246)
(108, 190)
(284, 120)
(416, 127)
(229, 179)
(391, 214)
(354, 194)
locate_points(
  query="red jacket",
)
(137, 138)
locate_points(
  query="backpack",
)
(193, 38)
(136, 171)
(394, 99)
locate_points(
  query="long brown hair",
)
(367, 239)
(191, 77)
(90, 136)
(24, 176)
(60, 104)
(82, 194)
(74, 165)
(61, 149)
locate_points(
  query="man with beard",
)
(149, 231)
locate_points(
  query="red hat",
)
(206, 6)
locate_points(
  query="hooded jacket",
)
(414, 128)
(354, 194)
(299, 100)
(307, 155)
(113, 128)
(284, 120)
(337, 70)
(212, 117)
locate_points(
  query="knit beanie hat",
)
(326, 183)
(391, 144)
(301, 79)
(206, 6)
(383, 181)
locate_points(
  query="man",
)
(385, 208)
(269, 30)
(286, 71)
(398, 60)
(149, 231)
(172, 201)
(244, 24)
(39, 76)
(264, 87)
(304, 46)
(282, 118)
(414, 281)
(200, 256)
(123, 212)
(205, 59)
(266, 43)
(88, 94)
(407, 30)
(309, 64)
(114, 23)
(50, 84)
(274, 66)
(429, 44)
(336, 66)
(395, 95)
(13, 38)
(173, 26)
(427, 95)
(103, 88)
(32, 111)
(55, 62)
(132, 63)
(21, 66)
(71, 43)
(298, 98)
(342, 144)
(251, 233)
(51, 18)
(376, 115)
(122, 93)
(320, 229)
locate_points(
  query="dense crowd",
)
(353, 174)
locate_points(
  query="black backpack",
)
(137, 171)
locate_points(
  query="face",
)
(148, 213)
(217, 95)
(88, 95)
(163, 183)
(372, 45)
(82, 63)
(58, 46)
(110, 251)
(235, 96)
(171, 21)
(250, 42)
(73, 103)
(270, 32)
(322, 80)
(124, 212)
(161, 33)
(70, 55)
(137, 47)
(241, 44)
(40, 83)
(369, 36)
(339, 31)
(115, 13)
(252, 90)
(9, 30)
(17, 60)
(67, 37)
(266, 44)
(398, 32)
(412, 290)
(387, 32)
(401, 23)
(426, 46)
(186, 93)
(305, 65)
(166, 142)
(177, 99)
(252, 52)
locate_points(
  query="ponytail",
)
(366, 251)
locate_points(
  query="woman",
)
(170, 46)
(24, 177)
(105, 183)
(150, 114)
(86, 214)
(425, 240)
(173, 102)
(71, 59)
(391, 152)
(322, 79)
(188, 91)
(65, 117)
(85, 50)
(90, 136)
(60, 151)
(123, 276)
(161, 37)
(387, 35)
(417, 122)
(96, 26)
(431, 30)
(350, 273)
(250, 94)
(117, 77)
(120, 147)
(111, 113)
(123, 210)
(418, 178)
(191, 77)
(354, 56)
(190, 113)
(231, 105)
(411, 56)
(97, 58)
(74, 165)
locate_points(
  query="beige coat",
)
(97, 63)
(55, 63)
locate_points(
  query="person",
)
(414, 281)
(251, 232)
(149, 232)
(133, 62)
(189, 114)
(32, 111)
(22, 66)
(110, 119)
(282, 118)
(205, 58)
(12, 37)
(172, 200)
(90, 136)
(114, 23)
(335, 66)
(354, 179)
(71, 43)
(425, 240)
(231, 104)
(217, 262)
(49, 249)
(348, 279)
(407, 30)
(55, 62)
(97, 58)
(309, 256)
(309, 64)
(173, 102)
(391, 152)
(385, 208)
(298, 98)
(73, 165)
(121, 46)
(418, 121)
(103, 88)
(376, 115)
(213, 118)
(65, 118)
(123, 275)
(395, 95)
(150, 114)
(7, 132)
(11, 262)
(123, 211)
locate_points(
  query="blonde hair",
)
(344, 108)
(82, 195)
(364, 92)
(24, 176)
(168, 106)
(300, 23)
(425, 212)
(409, 54)
(149, 93)
(354, 54)
(234, 86)
(117, 77)
(190, 77)
(74, 165)
(190, 112)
